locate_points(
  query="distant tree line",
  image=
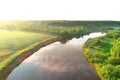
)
(68, 28)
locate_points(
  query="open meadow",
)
(12, 43)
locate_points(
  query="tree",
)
(114, 60)
(115, 51)
(108, 72)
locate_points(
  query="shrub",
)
(114, 60)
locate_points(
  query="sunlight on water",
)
(83, 39)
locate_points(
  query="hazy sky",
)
(60, 10)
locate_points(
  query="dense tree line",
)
(80, 23)
(108, 61)
(63, 28)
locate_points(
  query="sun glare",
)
(2, 23)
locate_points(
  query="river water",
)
(57, 61)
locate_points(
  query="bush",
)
(114, 60)
(117, 71)
(108, 72)
(115, 51)
(98, 57)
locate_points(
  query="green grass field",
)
(13, 43)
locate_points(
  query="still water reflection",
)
(57, 62)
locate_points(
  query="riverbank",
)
(92, 64)
(86, 51)
(101, 53)
(23, 55)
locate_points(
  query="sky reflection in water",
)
(57, 62)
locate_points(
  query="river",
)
(57, 61)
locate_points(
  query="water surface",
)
(57, 61)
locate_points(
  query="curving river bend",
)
(57, 61)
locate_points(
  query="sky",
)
(60, 10)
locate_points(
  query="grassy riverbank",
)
(23, 44)
(104, 53)
(14, 43)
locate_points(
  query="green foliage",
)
(114, 60)
(86, 52)
(115, 51)
(65, 31)
(114, 34)
(95, 42)
(38, 27)
(63, 28)
(106, 54)
(110, 72)
(117, 71)
(101, 44)
(107, 72)
(98, 57)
